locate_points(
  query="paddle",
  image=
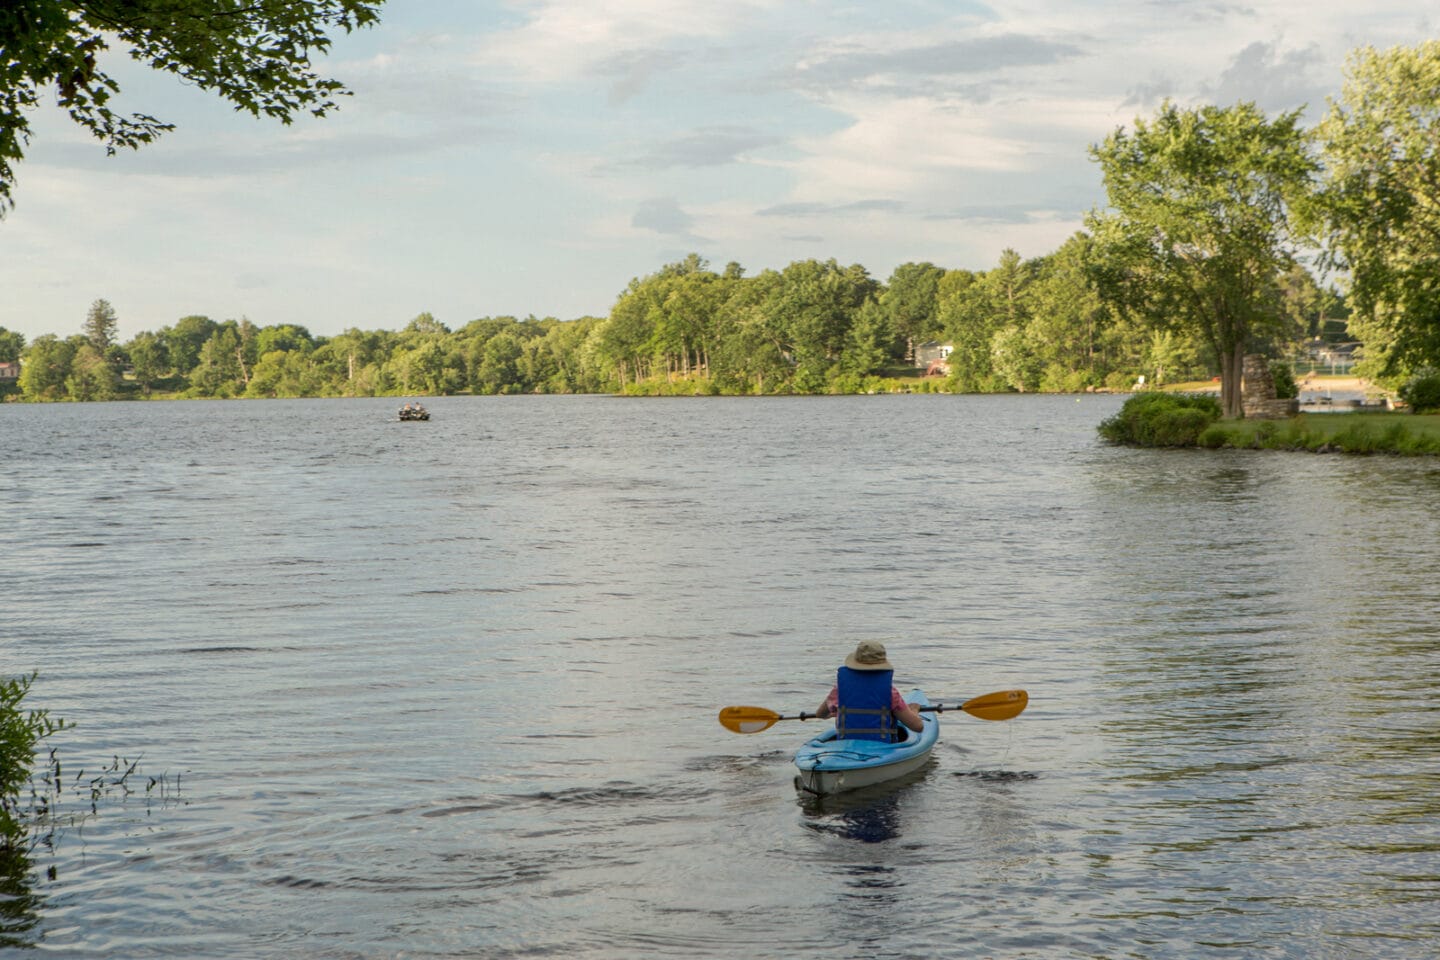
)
(1001, 705)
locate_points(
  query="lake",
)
(449, 689)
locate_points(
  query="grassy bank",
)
(1395, 433)
(1193, 420)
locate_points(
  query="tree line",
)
(1225, 232)
(813, 327)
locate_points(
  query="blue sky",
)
(531, 157)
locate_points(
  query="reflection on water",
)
(1262, 700)
(998, 776)
(20, 904)
(871, 815)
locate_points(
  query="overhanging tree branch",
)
(257, 55)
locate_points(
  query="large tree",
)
(972, 308)
(91, 376)
(1198, 231)
(1381, 146)
(910, 299)
(100, 326)
(813, 307)
(184, 340)
(218, 373)
(12, 344)
(1068, 319)
(254, 53)
(46, 367)
(148, 358)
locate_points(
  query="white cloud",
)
(480, 156)
(663, 215)
(703, 147)
(1272, 78)
(561, 40)
(913, 149)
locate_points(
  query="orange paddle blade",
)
(997, 706)
(748, 719)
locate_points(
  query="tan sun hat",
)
(868, 655)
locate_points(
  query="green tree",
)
(218, 372)
(751, 357)
(149, 359)
(1199, 231)
(972, 308)
(1069, 326)
(813, 307)
(425, 323)
(869, 343)
(1016, 357)
(12, 345)
(1303, 302)
(430, 366)
(254, 53)
(1170, 355)
(46, 367)
(693, 263)
(352, 362)
(91, 375)
(623, 342)
(911, 302)
(500, 367)
(689, 320)
(564, 372)
(286, 337)
(248, 347)
(665, 324)
(1381, 201)
(101, 325)
(282, 373)
(184, 340)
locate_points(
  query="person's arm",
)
(827, 708)
(905, 712)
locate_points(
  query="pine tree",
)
(100, 326)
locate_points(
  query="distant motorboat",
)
(414, 411)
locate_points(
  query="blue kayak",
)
(829, 765)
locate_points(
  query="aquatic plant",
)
(21, 732)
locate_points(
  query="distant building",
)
(933, 357)
(1339, 356)
(9, 371)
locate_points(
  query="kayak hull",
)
(828, 765)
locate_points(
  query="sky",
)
(531, 157)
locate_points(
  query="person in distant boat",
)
(864, 703)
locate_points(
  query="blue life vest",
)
(864, 712)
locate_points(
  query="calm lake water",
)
(449, 689)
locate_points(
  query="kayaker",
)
(864, 701)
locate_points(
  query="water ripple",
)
(452, 693)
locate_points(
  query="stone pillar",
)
(1257, 392)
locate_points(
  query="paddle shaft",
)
(1002, 705)
(936, 708)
